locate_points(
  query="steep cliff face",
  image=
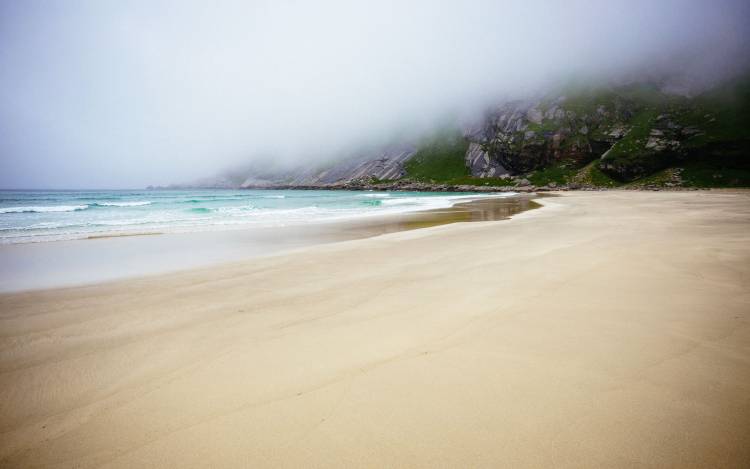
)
(628, 132)
(528, 136)
(524, 136)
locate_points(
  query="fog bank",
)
(106, 94)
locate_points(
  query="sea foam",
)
(54, 208)
(137, 203)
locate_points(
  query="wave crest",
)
(53, 208)
(136, 203)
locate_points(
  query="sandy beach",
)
(606, 329)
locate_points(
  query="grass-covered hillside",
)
(439, 158)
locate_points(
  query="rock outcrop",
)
(526, 135)
(385, 164)
(481, 164)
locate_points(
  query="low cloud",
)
(126, 94)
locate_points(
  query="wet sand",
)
(119, 256)
(602, 330)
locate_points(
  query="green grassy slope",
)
(439, 159)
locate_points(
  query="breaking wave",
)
(53, 208)
(137, 203)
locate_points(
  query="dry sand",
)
(604, 330)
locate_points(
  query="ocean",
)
(43, 216)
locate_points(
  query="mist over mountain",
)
(127, 94)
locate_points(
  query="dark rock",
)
(480, 163)
(523, 182)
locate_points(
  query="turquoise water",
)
(38, 216)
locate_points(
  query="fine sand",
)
(603, 330)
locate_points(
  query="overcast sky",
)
(122, 94)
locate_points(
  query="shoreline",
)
(410, 186)
(517, 183)
(115, 256)
(605, 330)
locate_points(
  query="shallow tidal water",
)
(102, 257)
(43, 216)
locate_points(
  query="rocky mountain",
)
(623, 134)
(627, 135)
